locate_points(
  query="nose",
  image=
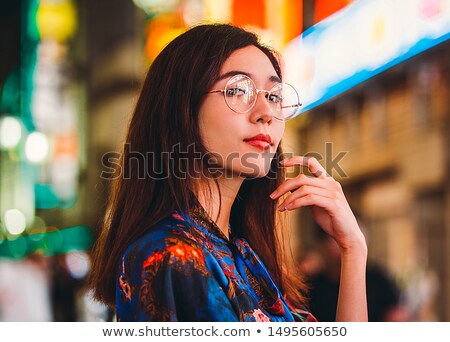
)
(261, 111)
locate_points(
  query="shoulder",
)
(165, 244)
(155, 268)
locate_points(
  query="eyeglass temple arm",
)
(296, 105)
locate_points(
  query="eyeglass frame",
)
(223, 91)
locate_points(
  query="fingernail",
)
(273, 194)
(281, 207)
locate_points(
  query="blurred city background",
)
(373, 76)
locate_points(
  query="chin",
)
(253, 172)
(256, 166)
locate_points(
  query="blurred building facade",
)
(386, 140)
(393, 130)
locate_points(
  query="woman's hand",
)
(332, 212)
(326, 198)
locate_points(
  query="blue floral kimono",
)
(186, 269)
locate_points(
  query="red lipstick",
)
(262, 141)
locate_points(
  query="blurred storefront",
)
(376, 84)
(44, 234)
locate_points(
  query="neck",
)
(229, 189)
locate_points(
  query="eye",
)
(275, 98)
(236, 91)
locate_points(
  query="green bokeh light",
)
(59, 241)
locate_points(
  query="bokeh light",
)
(15, 221)
(77, 264)
(36, 147)
(37, 229)
(18, 247)
(10, 132)
(56, 19)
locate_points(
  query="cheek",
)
(215, 123)
(206, 121)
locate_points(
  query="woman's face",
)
(226, 133)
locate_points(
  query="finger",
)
(311, 199)
(305, 190)
(310, 162)
(294, 183)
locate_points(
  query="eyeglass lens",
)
(241, 94)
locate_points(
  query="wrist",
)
(357, 248)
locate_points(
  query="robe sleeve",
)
(172, 283)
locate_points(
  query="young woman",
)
(192, 229)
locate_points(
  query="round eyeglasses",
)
(240, 95)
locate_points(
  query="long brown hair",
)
(166, 117)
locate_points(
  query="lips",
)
(262, 141)
(262, 137)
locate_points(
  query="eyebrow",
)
(237, 72)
